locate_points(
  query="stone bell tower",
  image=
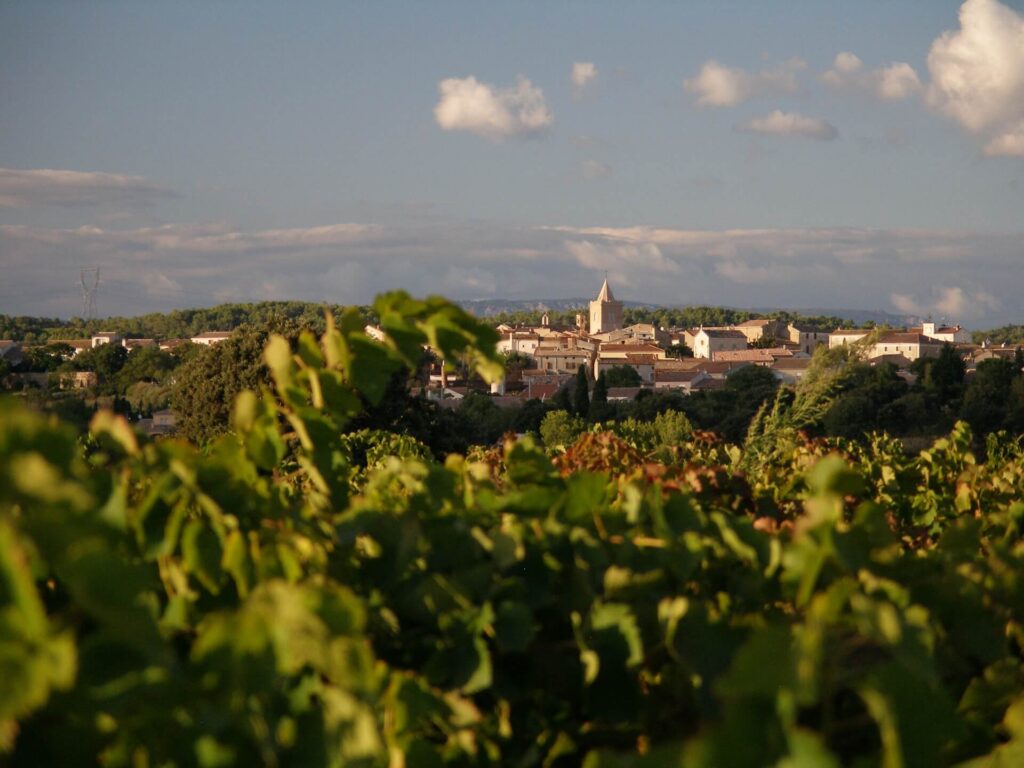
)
(605, 311)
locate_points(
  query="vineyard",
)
(296, 595)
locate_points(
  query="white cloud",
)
(780, 123)
(952, 303)
(41, 187)
(622, 259)
(847, 62)
(893, 82)
(594, 170)
(720, 86)
(896, 82)
(583, 72)
(742, 272)
(466, 104)
(1009, 144)
(977, 74)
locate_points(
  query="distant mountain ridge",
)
(491, 307)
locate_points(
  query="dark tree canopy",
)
(622, 376)
(206, 386)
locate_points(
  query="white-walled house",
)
(106, 337)
(707, 341)
(842, 336)
(954, 334)
(518, 343)
(912, 346)
(211, 337)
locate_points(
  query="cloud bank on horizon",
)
(972, 79)
(184, 265)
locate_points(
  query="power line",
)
(89, 289)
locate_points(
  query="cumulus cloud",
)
(952, 303)
(1009, 144)
(893, 82)
(780, 123)
(719, 86)
(467, 104)
(47, 187)
(583, 73)
(977, 74)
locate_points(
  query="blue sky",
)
(828, 154)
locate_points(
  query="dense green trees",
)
(729, 410)
(560, 428)
(622, 376)
(206, 385)
(994, 398)
(177, 324)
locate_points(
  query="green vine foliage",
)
(295, 596)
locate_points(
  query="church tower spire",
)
(605, 311)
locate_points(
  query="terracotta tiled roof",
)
(903, 337)
(792, 363)
(716, 333)
(623, 393)
(677, 376)
(625, 347)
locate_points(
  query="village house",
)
(911, 346)
(171, 344)
(518, 343)
(165, 420)
(78, 380)
(162, 423)
(78, 346)
(764, 357)
(843, 336)
(807, 338)
(954, 334)
(790, 370)
(131, 344)
(623, 394)
(105, 337)
(759, 328)
(707, 341)
(635, 333)
(562, 358)
(640, 357)
(211, 337)
(675, 379)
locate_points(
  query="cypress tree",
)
(599, 400)
(561, 401)
(581, 400)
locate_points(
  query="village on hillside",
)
(687, 360)
(540, 359)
